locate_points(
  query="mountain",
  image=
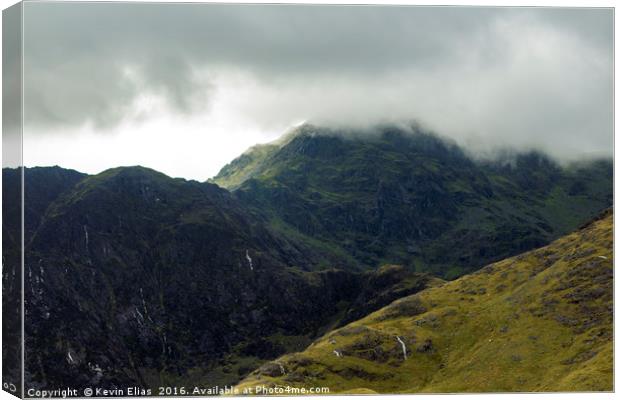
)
(135, 278)
(540, 321)
(43, 186)
(405, 196)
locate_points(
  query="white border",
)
(485, 3)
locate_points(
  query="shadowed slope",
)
(135, 278)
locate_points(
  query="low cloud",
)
(486, 77)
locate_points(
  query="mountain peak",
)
(403, 195)
(136, 171)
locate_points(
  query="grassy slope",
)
(252, 162)
(245, 166)
(541, 321)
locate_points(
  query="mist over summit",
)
(486, 77)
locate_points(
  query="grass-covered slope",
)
(541, 321)
(252, 162)
(245, 166)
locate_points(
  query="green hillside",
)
(405, 196)
(245, 166)
(252, 162)
(540, 321)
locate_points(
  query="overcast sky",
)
(185, 88)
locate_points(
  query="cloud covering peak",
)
(487, 77)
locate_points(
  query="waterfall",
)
(86, 235)
(247, 257)
(403, 345)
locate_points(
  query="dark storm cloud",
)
(489, 76)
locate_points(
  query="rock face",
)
(136, 278)
(44, 185)
(405, 196)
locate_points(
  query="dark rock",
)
(271, 369)
(426, 346)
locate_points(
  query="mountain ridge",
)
(408, 197)
(152, 280)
